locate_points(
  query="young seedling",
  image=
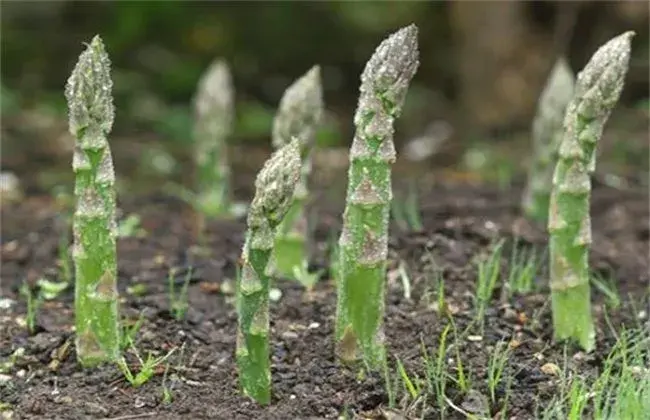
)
(33, 301)
(299, 115)
(214, 115)
(436, 372)
(407, 213)
(130, 227)
(607, 287)
(412, 387)
(547, 134)
(522, 270)
(146, 367)
(130, 330)
(178, 300)
(304, 277)
(364, 238)
(496, 366)
(274, 189)
(91, 115)
(598, 88)
(488, 273)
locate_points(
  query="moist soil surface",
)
(460, 223)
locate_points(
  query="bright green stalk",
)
(547, 135)
(299, 113)
(363, 244)
(598, 89)
(214, 113)
(274, 188)
(91, 115)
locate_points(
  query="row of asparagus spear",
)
(571, 115)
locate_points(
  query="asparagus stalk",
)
(214, 115)
(598, 89)
(274, 188)
(363, 245)
(547, 135)
(91, 114)
(299, 113)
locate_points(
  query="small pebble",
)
(275, 294)
(550, 369)
(313, 325)
(289, 335)
(6, 303)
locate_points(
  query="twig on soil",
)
(132, 416)
(457, 408)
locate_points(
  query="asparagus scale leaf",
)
(597, 91)
(299, 114)
(91, 114)
(547, 135)
(363, 245)
(274, 189)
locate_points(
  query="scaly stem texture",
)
(91, 114)
(274, 188)
(598, 89)
(299, 114)
(363, 245)
(214, 114)
(547, 135)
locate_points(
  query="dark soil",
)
(460, 222)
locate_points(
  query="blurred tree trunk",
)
(502, 62)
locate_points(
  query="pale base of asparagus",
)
(359, 331)
(250, 365)
(572, 318)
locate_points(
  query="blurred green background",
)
(483, 64)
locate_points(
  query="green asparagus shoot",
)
(547, 135)
(214, 115)
(364, 238)
(91, 115)
(597, 91)
(299, 115)
(274, 190)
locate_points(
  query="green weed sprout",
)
(364, 239)
(91, 115)
(299, 114)
(214, 115)
(598, 88)
(274, 189)
(547, 135)
(33, 302)
(146, 366)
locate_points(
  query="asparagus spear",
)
(363, 244)
(299, 114)
(598, 89)
(274, 188)
(214, 113)
(91, 114)
(547, 135)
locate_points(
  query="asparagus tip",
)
(300, 110)
(88, 89)
(393, 65)
(215, 89)
(276, 182)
